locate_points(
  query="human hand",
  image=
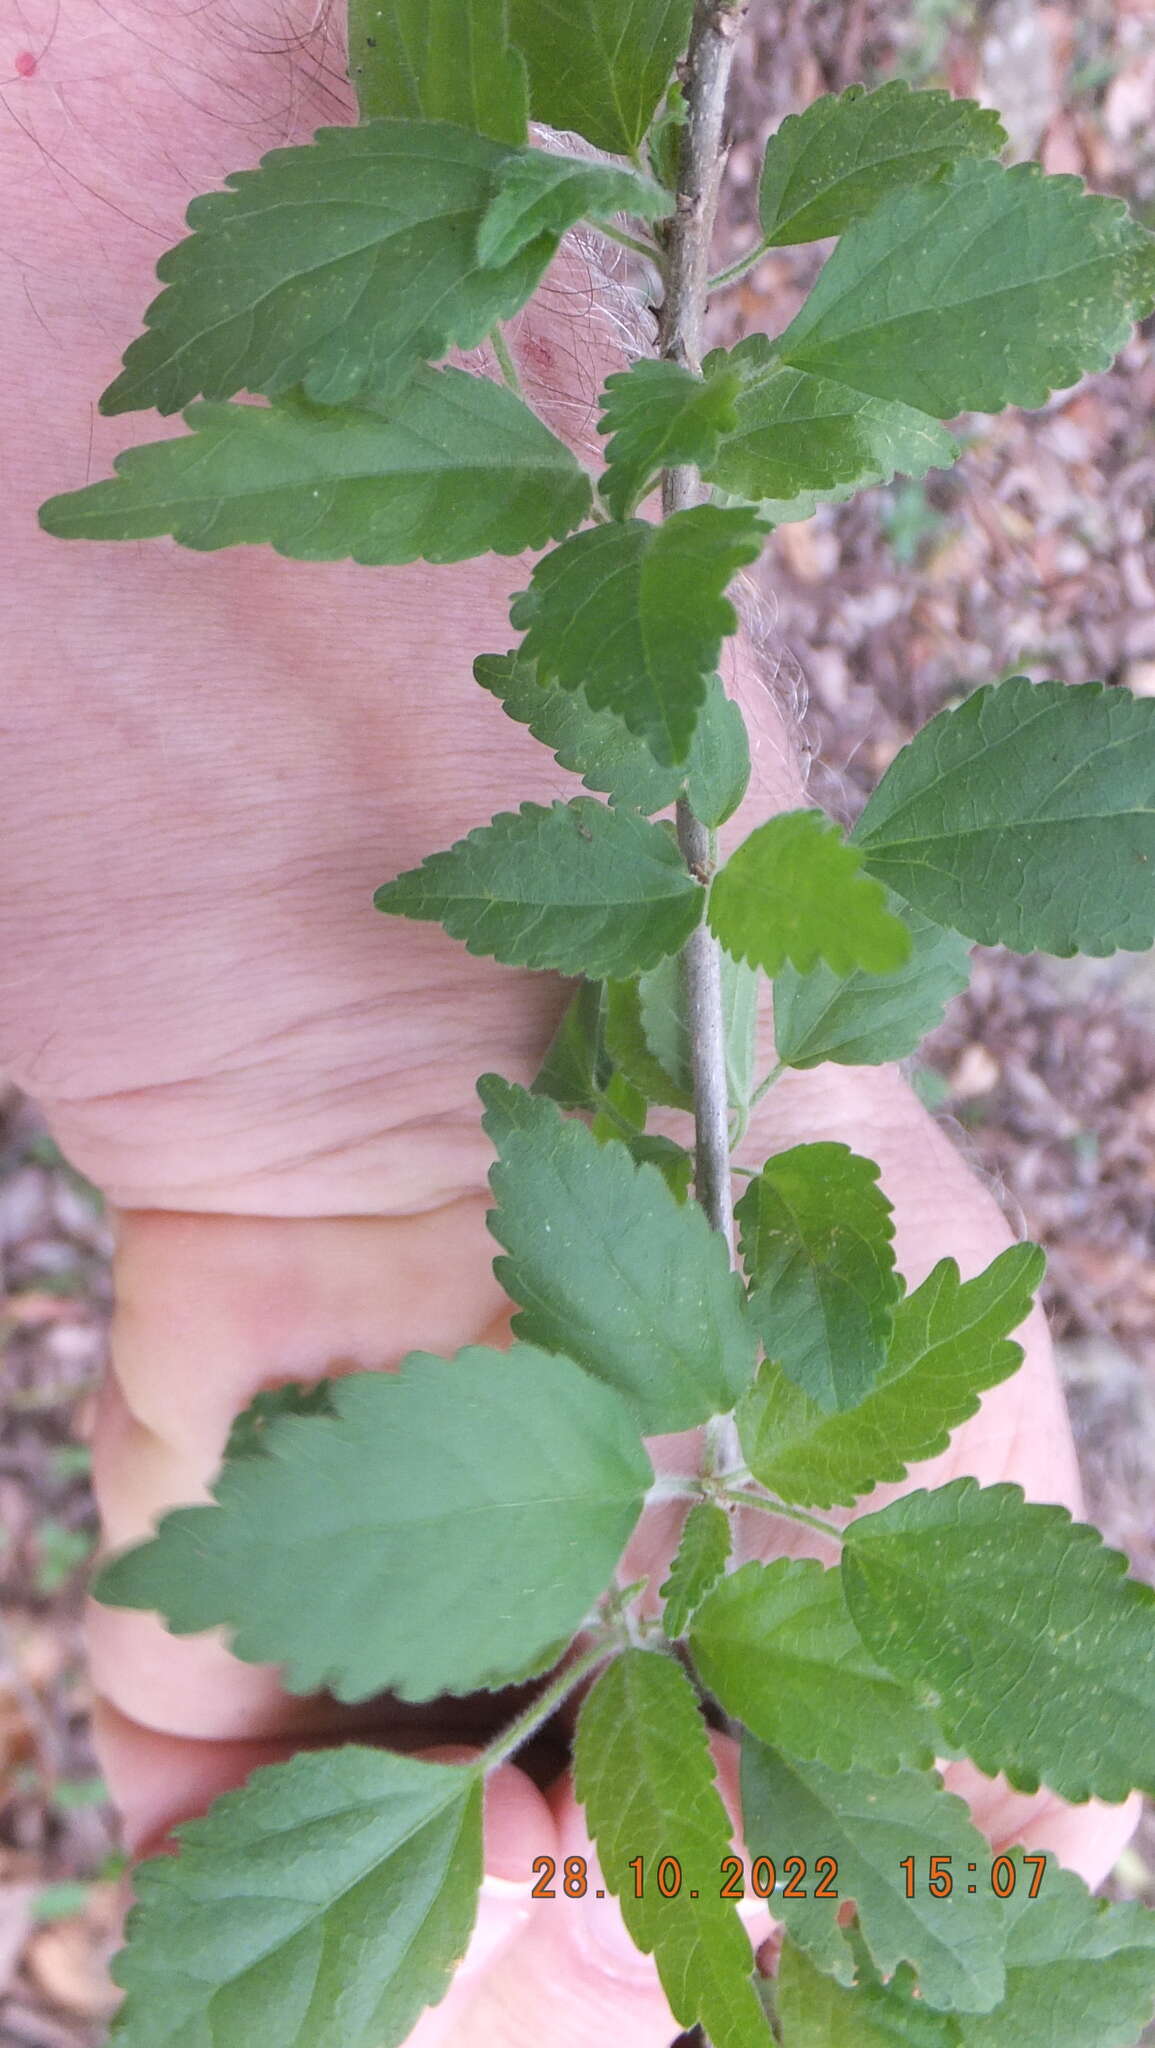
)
(212, 762)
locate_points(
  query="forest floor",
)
(1034, 555)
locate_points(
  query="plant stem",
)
(505, 361)
(777, 1507)
(707, 73)
(544, 1706)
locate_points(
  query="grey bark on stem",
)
(706, 79)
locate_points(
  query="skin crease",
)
(211, 761)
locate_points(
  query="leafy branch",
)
(461, 1525)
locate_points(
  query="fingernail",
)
(503, 1908)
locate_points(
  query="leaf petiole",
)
(505, 361)
(546, 1704)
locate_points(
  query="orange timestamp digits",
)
(665, 1878)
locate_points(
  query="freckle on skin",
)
(26, 64)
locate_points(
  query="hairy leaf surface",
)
(794, 890)
(868, 1824)
(538, 194)
(976, 289)
(831, 164)
(459, 467)
(864, 1020)
(1026, 818)
(449, 60)
(698, 1564)
(600, 66)
(610, 758)
(817, 2012)
(337, 265)
(608, 1266)
(949, 1343)
(775, 1643)
(634, 615)
(644, 1773)
(800, 441)
(815, 1238)
(658, 414)
(1024, 1623)
(578, 887)
(333, 1892)
(447, 1527)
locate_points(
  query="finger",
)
(1088, 1838)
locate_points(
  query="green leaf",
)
(630, 1048)
(831, 164)
(793, 891)
(458, 467)
(607, 1265)
(648, 1032)
(644, 1773)
(598, 747)
(976, 289)
(864, 1020)
(801, 441)
(538, 194)
(776, 1645)
(600, 67)
(1026, 818)
(718, 767)
(1078, 1969)
(447, 1527)
(576, 1066)
(248, 1434)
(868, 1824)
(634, 615)
(659, 415)
(816, 2012)
(950, 1342)
(331, 1898)
(338, 265)
(698, 1564)
(815, 1236)
(577, 887)
(1042, 1650)
(647, 1148)
(442, 59)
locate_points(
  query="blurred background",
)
(1033, 555)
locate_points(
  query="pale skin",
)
(210, 763)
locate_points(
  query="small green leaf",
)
(777, 1647)
(1078, 1969)
(331, 1898)
(609, 758)
(644, 1773)
(458, 467)
(634, 615)
(649, 1032)
(978, 288)
(659, 415)
(247, 1437)
(632, 1052)
(1026, 818)
(609, 1267)
(443, 59)
(1023, 1622)
(446, 1527)
(338, 266)
(598, 67)
(816, 1244)
(537, 194)
(832, 163)
(576, 1066)
(816, 2012)
(800, 441)
(867, 1824)
(864, 1020)
(698, 1564)
(578, 887)
(718, 767)
(647, 1148)
(950, 1342)
(794, 891)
